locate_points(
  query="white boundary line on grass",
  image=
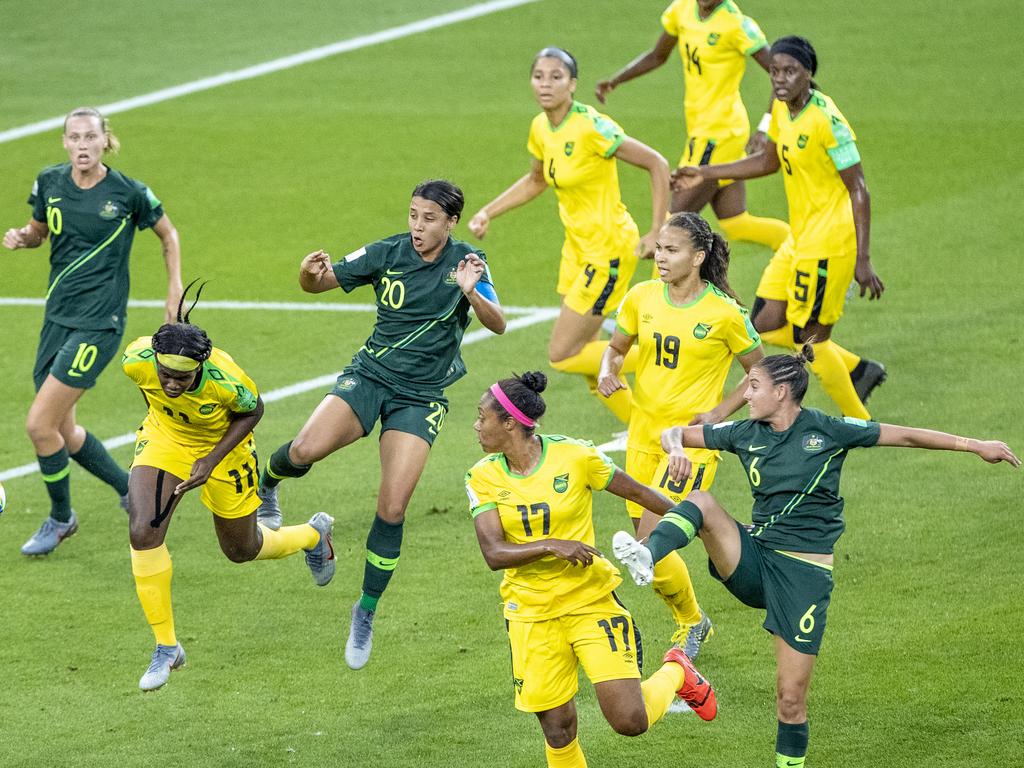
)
(288, 306)
(277, 65)
(539, 315)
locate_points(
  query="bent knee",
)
(239, 553)
(631, 724)
(702, 499)
(304, 452)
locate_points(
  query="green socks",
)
(383, 546)
(677, 528)
(791, 745)
(55, 470)
(280, 466)
(94, 458)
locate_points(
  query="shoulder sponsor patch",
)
(721, 424)
(356, 254)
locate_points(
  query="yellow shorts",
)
(231, 490)
(651, 468)
(814, 289)
(546, 655)
(704, 151)
(596, 289)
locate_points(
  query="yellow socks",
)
(569, 756)
(152, 570)
(755, 229)
(660, 689)
(850, 360)
(287, 541)
(588, 362)
(834, 376)
(780, 337)
(672, 583)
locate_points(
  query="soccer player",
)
(689, 328)
(198, 434)
(425, 282)
(803, 289)
(90, 213)
(793, 458)
(714, 39)
(531, 501)
(574, 150)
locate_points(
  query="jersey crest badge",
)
(812, 443)
(207, 408)
(347, 384)
(141, 446)
(561, 483)
(802, 140)
(569, 147)
(451, 278)
(713, 38)
(701, 330)
(110, 210)
(646, 317)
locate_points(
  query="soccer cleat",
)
(696, 691)
(360, 637)
(871, 376)
(320, 558)
(50, 534)
(269, 511)
(635, 556)
(692, 638)
(165, 658)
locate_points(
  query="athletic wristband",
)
(766, 120)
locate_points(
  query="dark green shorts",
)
(794, 592)
(372, 399)
(75, 358)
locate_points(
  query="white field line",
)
(277, 65)
(480, 334)
(287, 306)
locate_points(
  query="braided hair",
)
(715, 268)
(182, 337)
(524, 392)
(789, 370)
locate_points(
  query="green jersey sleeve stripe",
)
(476, 511)
(845, 156)
(615, 146)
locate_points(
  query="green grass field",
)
(922, 662)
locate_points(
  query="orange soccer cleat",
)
(696, 690)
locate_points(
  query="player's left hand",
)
(686, 178)
(757, 143)
(469, 272)
(171, 305)
(679, 467)
(708, 417)
(994, 451)
(201, 472)
(868, 281)
(645, 248)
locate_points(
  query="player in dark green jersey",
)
(425, 282)
(90, 213)
(782, 563)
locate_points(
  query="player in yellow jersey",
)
(803, 288)
(574, 150)
(531, 501)
(688, 327)
(714, 39)
(198, 433)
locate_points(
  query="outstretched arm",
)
(625, 487)
(672, 442)
(639, 154)
(500, 553)
(734, 400)
(522, 191)
(992, 451)
(763, 163)
(641, 65)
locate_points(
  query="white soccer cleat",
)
(360, 637)
(635, 556)
(165, 658)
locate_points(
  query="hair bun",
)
(806, 354)
(534, 380)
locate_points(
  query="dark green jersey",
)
(421, 311)
(794, 475)
(91, 233)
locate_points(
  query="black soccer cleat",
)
(866, 376)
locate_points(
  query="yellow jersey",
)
(199, 417)
(555, 501)
(813, 147)
(579, 164)
(714, 52)
(685, 354)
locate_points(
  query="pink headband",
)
(514, 412)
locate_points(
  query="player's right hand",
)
(576, 552)
(13, 239)
(609, 384)
(602, 89)
(479, 223)
(679, 467)
(687, 177)
(994, 451)
(316, 263)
